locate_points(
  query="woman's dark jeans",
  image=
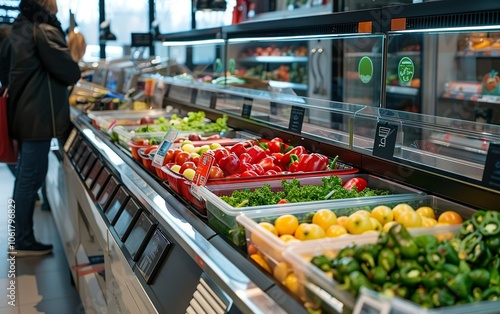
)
(31, 171)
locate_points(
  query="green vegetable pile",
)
(293, 192)
(433, 274)
(195, 121)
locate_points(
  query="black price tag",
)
(114, 209)
(125, 221)
(296, 119)
(194, 95)
(139, 235)
(274, 108)
(385, 140)
(153, 255)
(491, 173)
(247, 108)
(213, 101)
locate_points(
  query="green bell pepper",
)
(434, 259)
(347, 265)
(322, 262)
(347, 251)
(480, 278)
(446, 249)
(367, 254)
(378, 275)
(411, 275)
(467, 228)
(491, 224)
(403, 240)
(461, 285)
(421, 297)
(425, 241)
(493, 243)
(494, 276)
(450, 269)
(442, 297)
(357, 280)
(387, 259)
(433, 279)
(478, 217)
(491, 294)
(472, 247)
(477, 294)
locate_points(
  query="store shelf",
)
(471, 97)
(403, 90)
(280, 84)
(478, 53)
(274, 59)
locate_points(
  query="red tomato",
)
(196, 160)
(169, 157)
(216, 172)
(182, 157)
(187, 165)
(175, 153)
(220, 153)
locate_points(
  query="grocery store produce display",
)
(430, 270)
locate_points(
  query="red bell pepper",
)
(257, 154)
(295, 162)
(235, 175)
(299, 150)
(258, 168)
(220, 153)
(268, 164)
(271, 173)
(313, 162)
(359, 183)
(230, 164)
(249, 173)
(245, 158)
(274, 146)
(239, 148)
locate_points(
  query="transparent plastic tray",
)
(224, 215)
(104, 119)
(272, 247)
(322, 289)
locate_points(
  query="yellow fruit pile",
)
(326, 224)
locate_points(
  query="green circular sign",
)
(406, 70)
(365, 69)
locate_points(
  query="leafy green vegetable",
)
(195, 121)
(293, 192)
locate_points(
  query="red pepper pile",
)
(263, 157)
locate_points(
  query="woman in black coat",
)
(39, 70)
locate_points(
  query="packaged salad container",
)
(222, 216)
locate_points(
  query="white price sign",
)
(165, 145)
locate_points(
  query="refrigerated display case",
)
(181, 253)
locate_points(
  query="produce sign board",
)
(153, 255)
(246, 112)
(296, 119)
(385, 140)
(491, 174)
(165, 145)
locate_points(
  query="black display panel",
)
(139, 236)
(100, 183)
(116, 205)
(153, 255)
(94, 174)
(74, 147)
(85, 156)
(81, 148)
(108, 192)
(88, 166)
(126, 219)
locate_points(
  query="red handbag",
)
(8, 146)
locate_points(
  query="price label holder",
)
(213, 101)
(385, 140)
(202, 174)
(165, 145)
(70, 140)
(94, 174)
(369, 305)
(246, 111)
(126, 220)
(108, 192)
(116, 205)
(100, 183)
(155, 252)
(74, 147)
(139, 235)
(273, 107)
(296, 119)
(194, 95)
(81, 163)
(88, 166)
(491, 173)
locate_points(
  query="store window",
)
(173, 16)
(87, 19)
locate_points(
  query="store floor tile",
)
(43, 283)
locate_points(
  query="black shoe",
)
(32, 249)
